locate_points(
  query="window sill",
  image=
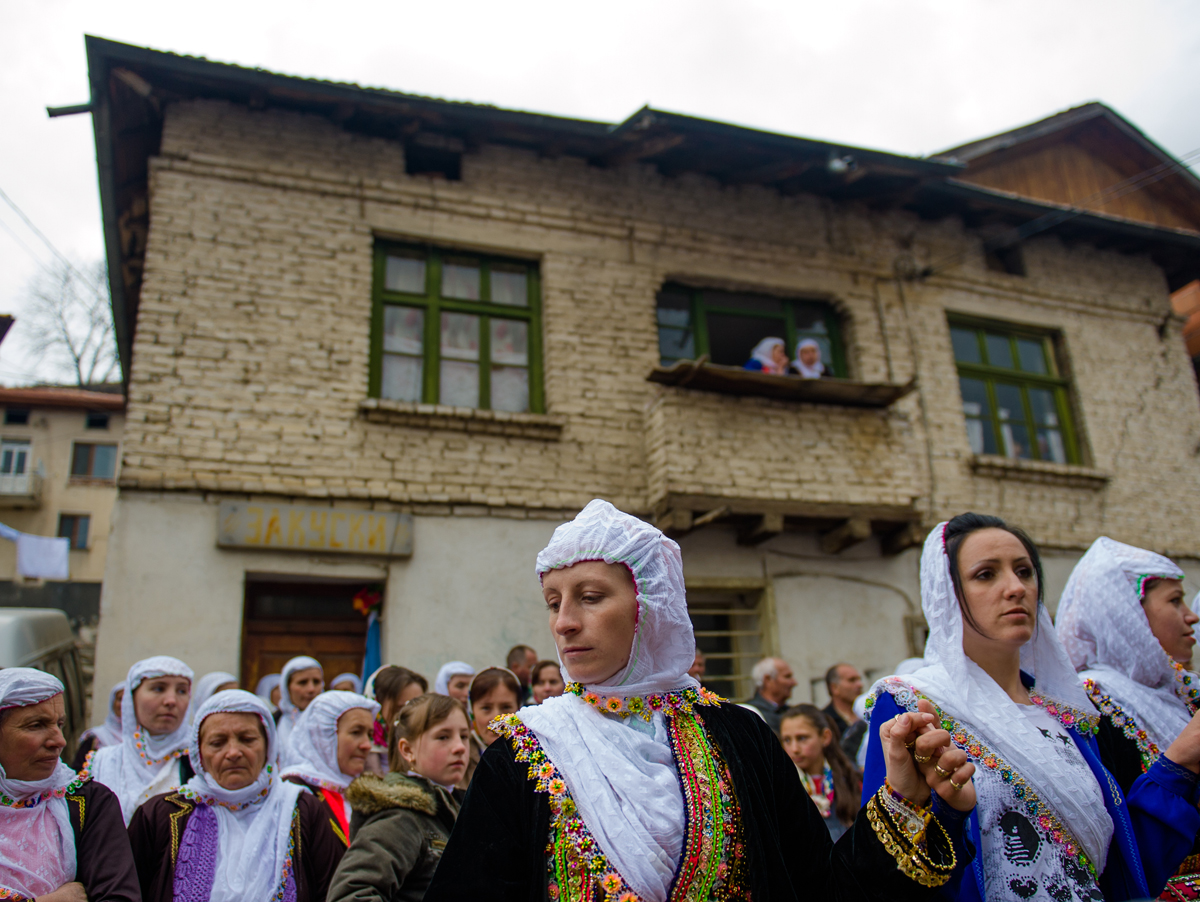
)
(540, 426)
(92, 480)
(1041, 471)
(732, 380)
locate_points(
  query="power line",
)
(62, 258)
(17, 238)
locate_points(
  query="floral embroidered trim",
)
(1110, 709)
(82, 777)
(201, 799)
(713, 860)
(683, 700)
(1184, 686)
(1184, 886)
(11, 894)
(822, 798)
(979, 753)
(286, 871)
(139, 744)
(1071, 718)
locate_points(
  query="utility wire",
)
(62, 258)
(1135, 182)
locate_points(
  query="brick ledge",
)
(540, 426)
(1042, 471)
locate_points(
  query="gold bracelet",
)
(911, 859)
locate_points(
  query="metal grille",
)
(729, 630)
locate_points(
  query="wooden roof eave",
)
(700, 375)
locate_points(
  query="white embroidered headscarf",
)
(962, 689)
(252, 840)
(624, 781)
(287, 708)
(143, 765)
(441, 685)
(1104, 628)
(37, 843)
(109, 732)
(762, 353)
(313, 756)
(206, 687)
(817, 370)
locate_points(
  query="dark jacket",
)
(498, 849)
(103, 860)
(157, 828)
(771, 712)
(397, 834)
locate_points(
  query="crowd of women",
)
(1023, 761)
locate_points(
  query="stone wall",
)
(250, 358)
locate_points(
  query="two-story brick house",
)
(379, 340)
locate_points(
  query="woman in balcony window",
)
(153, 754)
(1127, 627)
(1051, 823)
(769, 356)
(808, 363)
(637, 784)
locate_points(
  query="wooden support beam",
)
(772, 172)
(675, 522)
(906, 536)
(851, 532)
(765, 527)
(648, 146)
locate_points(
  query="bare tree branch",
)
(68, 320)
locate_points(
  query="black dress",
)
(103, 860)
(498, 848)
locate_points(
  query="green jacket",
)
(397, 834)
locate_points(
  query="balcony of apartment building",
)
(804, 448)
(20, 485)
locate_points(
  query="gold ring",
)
(942, 771)
(957, 786)
(922, 759)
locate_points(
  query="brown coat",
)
(157, 828)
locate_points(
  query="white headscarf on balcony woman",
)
(762, 353)
(239, 838)
(287, 708)
(37, 844)
(624, 780)
(1104, 628)
(143, 765)
(817, 370)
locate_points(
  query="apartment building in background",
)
(376, 341)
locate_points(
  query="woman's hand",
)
(68, 892)
(933, 764)
(1185, 750)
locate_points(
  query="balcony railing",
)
(20, 489)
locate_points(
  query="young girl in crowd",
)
(152, 756)
(302, 680)
(826, 772)
(546, 681)
(494, 692)
(329, 750)
(402, 821)
(392, 687)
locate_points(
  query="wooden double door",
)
(284, 619)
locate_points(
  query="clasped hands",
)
(921, 760)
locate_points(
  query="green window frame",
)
(456, 328)
(1014, 397)
(686, 316)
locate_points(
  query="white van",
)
(42, 638)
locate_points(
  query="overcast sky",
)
(909, 77)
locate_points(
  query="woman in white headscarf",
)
(61, 833)
(454, 679)
(208, 686)
(1050, 824)
(302, 680)
(808, 360)
(267, 687)
(650, 787)
(347, 682)
(107, 733)
(153, 754)
(1128, 630)
(769, 356)
(235, 832)
(329, 750)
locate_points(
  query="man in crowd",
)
(521, 660)
(698, 664)
(845, 684)
(774, 684)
